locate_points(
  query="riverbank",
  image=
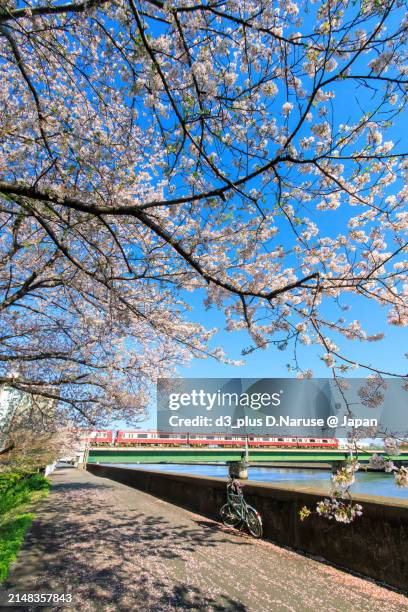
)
(18, 495)
(378, 483)
(118, 549)
(308, 466)
(374, 545)
(326, 467)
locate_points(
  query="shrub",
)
(17, 489)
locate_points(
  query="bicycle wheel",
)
(254, 522)
(229, 516)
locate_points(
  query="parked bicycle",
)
(236, 512)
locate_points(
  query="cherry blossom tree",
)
(30, 449)
(153, 148)
(88, 347)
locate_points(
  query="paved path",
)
(116, 548)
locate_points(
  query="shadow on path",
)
(112, 555)
(115, 548)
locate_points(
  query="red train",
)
(155, 438)
(99, 436)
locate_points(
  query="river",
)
(367, 483)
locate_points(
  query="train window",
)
(312, 440)
(141, 435)
(293, 439)
(280, 439)
(164, 436)
(325, 441)
(182, 436)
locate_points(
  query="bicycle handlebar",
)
(234, 486)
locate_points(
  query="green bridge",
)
(212, 455)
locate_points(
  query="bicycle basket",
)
(234, 498)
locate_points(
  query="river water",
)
(368, 483)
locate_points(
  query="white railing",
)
(50, 468)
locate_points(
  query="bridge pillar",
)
(238, 469)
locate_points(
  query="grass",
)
(16, 516)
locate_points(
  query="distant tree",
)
(30, 449)
(149, 148)
(34, 438)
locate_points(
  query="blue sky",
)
(387, 354)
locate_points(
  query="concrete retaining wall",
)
(375, 545)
